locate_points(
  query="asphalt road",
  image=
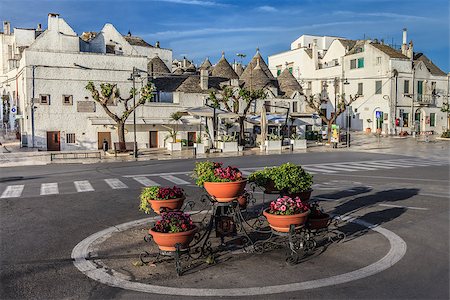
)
(39, 226)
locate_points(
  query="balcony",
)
(425, 99)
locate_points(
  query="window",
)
(165, 97)
(360, 88)
(378, 87)
(419, 90)
(110, 49)
(44, 99)
(290, 70)
(433, 87)
(278, 70)
(378, 61)
(361, 62)
(294, 106)
(432, 119)
(267, 104)
(353, 64)
(70, 138)
(406, 87)
(67, 99)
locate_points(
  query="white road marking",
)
(318, 169)
(400, 206)
(174, 179)
(49, 188)
(378, 165)
(83, 186)
(245, 173)
(435, 195)
(408, 163)
(12, 191)
(93, 268)
(115, 183)
(353, 166)
(145, 181)
(159, 174)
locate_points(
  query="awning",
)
(270, 119)
(206, 111)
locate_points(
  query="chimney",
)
(315, 54)
(53, 22)
(6, 27)
(204, 79)
(410, 52)
(404, 45)
(157, 44)
(39, 27)
(184, 65)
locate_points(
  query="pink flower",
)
(283, 208)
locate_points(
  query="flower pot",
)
(282, 223)
(368, 130)
(272, 145)
(269, 188)
(169, 204)
(225, 191)
(379, 130)
(303, 195)
(167, 241)
(299, 144)
(315, 222)
(174, 146)
(228, 146)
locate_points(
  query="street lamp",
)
(135, 74)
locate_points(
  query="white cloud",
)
(378, 14)
(193, 2)
(267, 8)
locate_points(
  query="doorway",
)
(53, 141)
(153, 142)
(192, 136)
(102, 136)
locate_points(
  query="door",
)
(104, 136)
(153, 139)
(191, 138)
(53, 141)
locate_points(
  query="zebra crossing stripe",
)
(421, 162)
(49, 188)
(12, 191)
(245, 173)
(318, 169)
(145, 181)
(83, 186)
(174, 179)
(115, 183)
(406, 164)
(378, 165)
(352, 166)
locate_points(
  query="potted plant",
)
(273, 142)
(368, 129)
(173, 132)
(298, 141)
(286, 211)
(263, 178)
(199, 146)
(174, 228)
(292, 180)
(223, 184)
(228, 143)
(317, 219)
(161, 199)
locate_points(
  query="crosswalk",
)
(184, 178)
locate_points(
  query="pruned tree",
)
(109, 93)
(446, 109)
(232, 99)
(315, 103)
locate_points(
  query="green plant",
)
(288, 178)
(446, 134)
(198, 139)
(297, 137)
(274, 137)
(228, 138)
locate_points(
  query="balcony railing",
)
(425, 99)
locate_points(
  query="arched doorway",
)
(419, 120)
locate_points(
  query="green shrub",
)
(446, 134)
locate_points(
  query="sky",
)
(204, 28)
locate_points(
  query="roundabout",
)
(105, 257)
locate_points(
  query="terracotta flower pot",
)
(379, 130)
(225, 191)
(282, 223)
(304, 195)
(315, 222)
(167, 241)
(242, 201)
(169, 204)
(368, 130)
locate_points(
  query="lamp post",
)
(33, 68)
(213, 106)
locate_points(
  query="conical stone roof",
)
(191, 68)
(239, 69)
(157, 67)
(252, 64)
(223, 69)
(178, 71)
(257, 78)
(287, 83)
(206, 65)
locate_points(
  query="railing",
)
(425, 99)
(75, 155)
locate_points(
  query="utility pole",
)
(33, 68)
(133, 76)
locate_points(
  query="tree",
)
(231, 100)
(175, 117)
(109, 93)
(446, 109)
(315, 103)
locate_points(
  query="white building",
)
(396, 88)
(53, 66)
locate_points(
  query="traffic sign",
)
(13, 109)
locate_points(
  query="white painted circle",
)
(82, 260)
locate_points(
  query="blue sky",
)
(200, 29)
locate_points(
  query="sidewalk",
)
(11, 154)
